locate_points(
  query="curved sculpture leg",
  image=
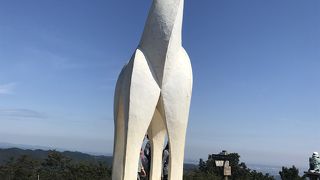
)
(140, 99)
(176, 98)
(119, 129)
(176, 138)
(119, 144)
(176, 121)
(157, 133)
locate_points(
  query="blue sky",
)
(255, 63)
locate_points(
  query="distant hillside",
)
(38, 154)
(5, 145)
(6, 154)
(189, 167)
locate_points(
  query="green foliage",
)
(55, 167)
(41, 155)
(198, 175)
(290, 173)
(207, 170)
(254, 175)
(23, 168)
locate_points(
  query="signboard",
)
(227, 171)
(218, 157)
(219, 163)
(226, 163)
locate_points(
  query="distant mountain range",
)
(7, 152)
(38, 154)
(4, 145)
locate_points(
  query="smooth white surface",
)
(153, 94)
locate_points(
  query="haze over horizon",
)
(255, 63)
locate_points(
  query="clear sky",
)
(256, 66)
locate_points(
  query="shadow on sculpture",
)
(153, 94)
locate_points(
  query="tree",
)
(254, 175)
(55, 167)
(23, 168)
(202, 165)
(290, 173)
(60, 167)
(209, 171)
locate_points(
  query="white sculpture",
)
(153, 94)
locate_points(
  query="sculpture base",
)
(312, 175)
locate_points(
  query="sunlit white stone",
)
(153, 94)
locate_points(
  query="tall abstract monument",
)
(153, 95)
